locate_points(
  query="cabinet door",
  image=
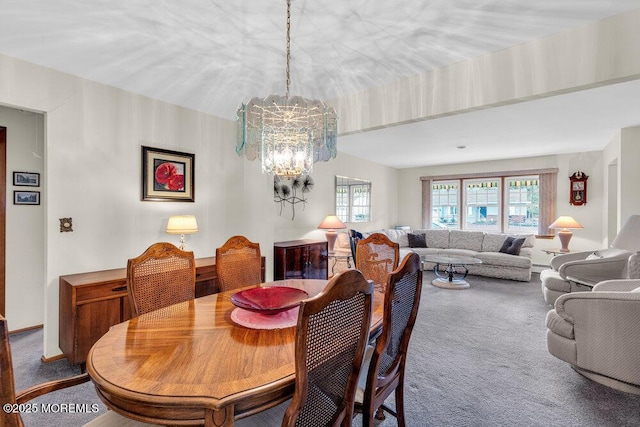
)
(93, 321)
(316, 261)
(296, 259)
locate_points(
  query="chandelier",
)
(288, 134)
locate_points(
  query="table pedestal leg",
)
(450, 277)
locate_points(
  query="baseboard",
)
(537, 268)
(30, 328)
(51, 359)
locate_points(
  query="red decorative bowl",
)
(268, 300)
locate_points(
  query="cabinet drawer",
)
(103, 291)
(206, 273)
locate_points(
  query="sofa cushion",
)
(422, 251)
(459, 252)
(471, 240)
(397, 236)
(512, 246)
(550, 279)
(416, 240)
(492, 242)
(503, 260)
(437, 238)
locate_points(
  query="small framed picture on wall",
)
(26, 179)
(26, 197)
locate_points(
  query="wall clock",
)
(578, 188)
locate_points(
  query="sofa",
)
(478, 244)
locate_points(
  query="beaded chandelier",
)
(288, 134)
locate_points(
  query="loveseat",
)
(478, 244)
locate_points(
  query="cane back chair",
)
(163, 275)
(238, 263)
(331, 337)
(376, 257)
(384, 364)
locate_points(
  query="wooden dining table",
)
(190, 364)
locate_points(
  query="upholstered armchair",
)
(580, 271)
(597, 333)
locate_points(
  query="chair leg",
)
(399, 392)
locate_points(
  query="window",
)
(504, 202)
(522, 196)
(353, 199)
(444, 205)
(482, 204)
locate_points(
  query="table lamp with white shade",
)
(565, 223)
(331, 223)
(182, 224)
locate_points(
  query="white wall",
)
(624, 151)
(24, 252)
(629, 172)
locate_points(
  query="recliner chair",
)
(581, 271)
(597, 332)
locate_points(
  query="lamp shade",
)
(565, 222)
(182, 224)
(331, 222)
(629, 235)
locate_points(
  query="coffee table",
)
(450, 270)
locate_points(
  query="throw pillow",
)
(417, 240)
(512, 246)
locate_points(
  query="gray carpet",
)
(478, 357)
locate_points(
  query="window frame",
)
(352, 184)
(547, 197)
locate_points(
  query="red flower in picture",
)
(176, 182)
(164, 172)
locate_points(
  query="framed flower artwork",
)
(167, 176)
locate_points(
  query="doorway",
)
(3, 221)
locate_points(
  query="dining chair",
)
(384, 364)
(376, 257)
(163, 275)
(8, 395)
(238, 263)
(331, 337)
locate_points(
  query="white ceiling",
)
(211, 55)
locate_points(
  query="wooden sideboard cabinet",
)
(90, 303)
(300, 259)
